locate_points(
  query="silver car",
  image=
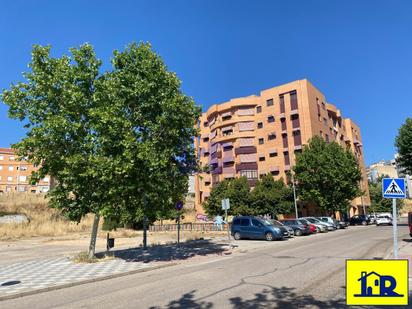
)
(329, 220)
(329, 226)
(321, 228)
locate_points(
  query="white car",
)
(380, 220)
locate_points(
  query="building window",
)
(46, 179)
(271, 136)
(285, 141)
(325, 121)
(249, 174)
(22, 178)
(205, 139)
(205, 124)
(261, 158)
(283, 124)
(293, 100)
(323, 106)
(10, 168)
(269, 102)
(258, 109)
(282, 103)
(327, 138)
(1, 167)
(297, 139)
(11, 158)
(271, 119)
(273, 154)
(23, 168)
(261, 141)
(295, 121)
(1, 158)
(260, 125)
(9, 178)
(22, 189)
(286, 157)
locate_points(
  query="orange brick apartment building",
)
(256, 135)
(14, 174)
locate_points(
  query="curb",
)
(68, 285)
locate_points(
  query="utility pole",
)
(145, 222)
(294, 196)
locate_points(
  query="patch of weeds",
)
(83, 257)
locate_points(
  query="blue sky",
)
(358, 53)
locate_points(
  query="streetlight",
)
(294, 196)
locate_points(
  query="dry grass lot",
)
(48, 223)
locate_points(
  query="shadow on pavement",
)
(281, 298)
(407, 240)
(163, 253)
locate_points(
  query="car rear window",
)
(244, 222)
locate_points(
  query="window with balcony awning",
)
(212, 134)
(226, 114)
(229, 128)
(246, 126)
(246, 111)
(245, 142)
(246, 158)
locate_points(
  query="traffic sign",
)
(393, 188)
(179, 205)
(225, 204)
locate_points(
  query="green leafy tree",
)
(237, 191)
(404, 144)
(118, 143)
(271, 197)
(327, 175)
(378, 203)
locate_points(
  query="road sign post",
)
(225, 207)
(394, 188)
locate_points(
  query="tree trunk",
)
(92, 246)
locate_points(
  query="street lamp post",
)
(294, 196)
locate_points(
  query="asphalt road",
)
(306, 272)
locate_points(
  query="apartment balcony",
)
(252, 182)
(245, 150)
(216, 155)
(217, 170)
(246, 166)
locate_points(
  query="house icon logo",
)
(377, 282)
(371, 282)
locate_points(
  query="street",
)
(305, 272)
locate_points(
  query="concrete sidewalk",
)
(30, 277)
(405, 252)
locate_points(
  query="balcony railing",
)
(245, 150)
(246, 166)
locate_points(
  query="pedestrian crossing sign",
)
(393, 188)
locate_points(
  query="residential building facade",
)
(15, 174)
(261, 134)
(382, 168)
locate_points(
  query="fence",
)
(195, 227)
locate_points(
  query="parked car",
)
(287, 230)
(313, 228)
(359, 219)
(254, 228)
(381, 220)
(298, 227)
(322, 226)
(330, 220)
(342, 224)
(410, 223)
(372, 218)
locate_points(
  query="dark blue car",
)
(254, 228)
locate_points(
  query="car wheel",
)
(364, 223)
(236, 236)
(269, 236)
(377, 224)
(298, 233)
